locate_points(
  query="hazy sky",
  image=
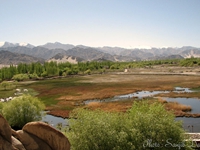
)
(122, 23)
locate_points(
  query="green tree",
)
(22, 110)
(22, 68)
(52, 68)
(6, 74)
(142, 124)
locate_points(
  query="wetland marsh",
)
(62, 95)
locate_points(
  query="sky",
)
(97, 23)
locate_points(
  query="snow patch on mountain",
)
(23, 44)
(1, 44)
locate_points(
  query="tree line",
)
(36, 70)
(50, 69)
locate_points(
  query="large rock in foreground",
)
(55, 139)
(5, 135)
(32, 142)
(5, 129)
(33, 136)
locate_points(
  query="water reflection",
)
(54, 121)
(193, 102)
(182, 90)
(190, 124)
(139, 95)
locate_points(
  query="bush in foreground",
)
(144, 126)
(22, 110)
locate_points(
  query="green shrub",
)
(5, 84)
(69, 71)
(1, 107)
(33, 76)
(154, 125)
(87, 72)
(20, 77)
(139, 128)
(22, 110)
(64, 74)
(44, 74)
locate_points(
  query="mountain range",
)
(24, 52)
(7, 58)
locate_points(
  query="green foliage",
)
(20, 77)
(1, 107)
(64, 74)
(154, 123)
(68, 71)
(98, 130)
(189, 62)
(44, 74)
(114, 66)
(49, 69)
(22, 110)
(102, 71)
(10, 85)
(5, 84)
(87, 71)
(33, 76)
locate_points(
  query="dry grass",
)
(59, 113)
(178, 109)
(175, 106)
(111, 106)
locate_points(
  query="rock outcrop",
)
(33, 136)
(54, 138)
(5, 135)
(32, 142)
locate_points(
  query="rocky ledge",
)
(33, 136)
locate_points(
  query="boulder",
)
(4, 144)
(32, 142)
(17, 144)
(55, 139)
(5, 129)
(33, 136)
